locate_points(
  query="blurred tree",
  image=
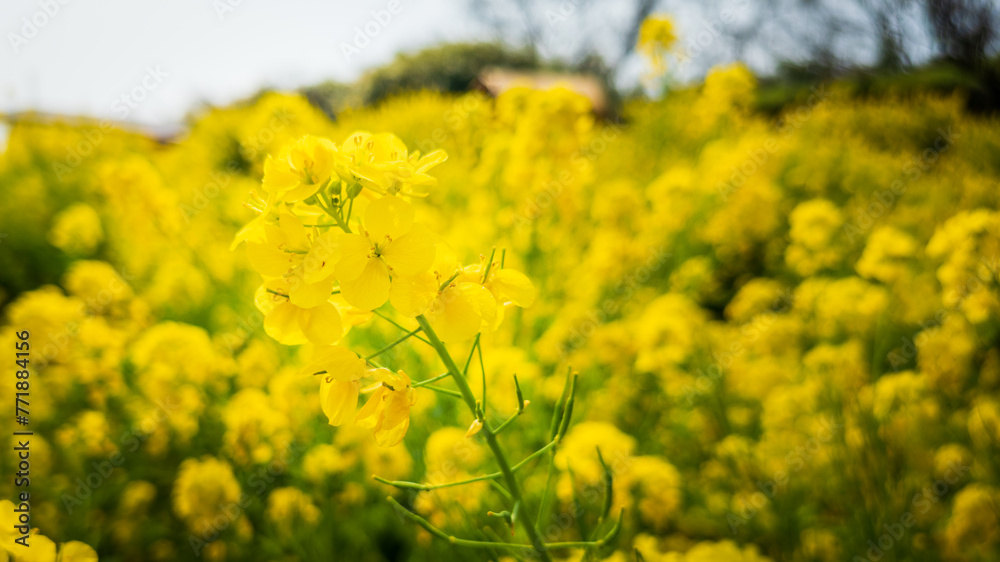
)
(965, 29)
(448, 68)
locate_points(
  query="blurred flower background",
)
(767, 237)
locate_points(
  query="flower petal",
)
(339, 363)
(482, 300)
(308, 295)
(267, 257)
(369, 290)
(294, 232)
(411, 296)
(322, 258)
(514, 286)
(282, 324)
(410, 254)
(279, 175)
(395, 419)
(252, 232)
(322, 324)
(388, 216)
(354, 252)
(370, 414)
(454, 316)
(339, 399)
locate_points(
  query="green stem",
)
(327, 205)
(418, 384)
(398, 325)
(470, 400)
(472, 352)
(445, 536)
(448, 282)
(403, 484)
(506, 422)
(341, 223)
(482, 368)
(393, 344)
(503, 491)
(446, 391)
(489, 266)
(430, 528)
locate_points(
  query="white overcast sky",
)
(84, 57)
(93, 51)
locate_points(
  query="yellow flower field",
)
(735, 337)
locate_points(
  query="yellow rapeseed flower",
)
(389, 245)
(341, 370)
(387, 411)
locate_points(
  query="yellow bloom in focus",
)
(307, 265)
(509, 287)
(382, 164)
(280, 247)
(342, 370)
(291, 324)
(300, 170)
(461, 311)
(387, 411)
(390, 245)
(456, 312)
(465, 306)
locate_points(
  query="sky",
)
(152, 62)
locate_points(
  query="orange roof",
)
(498, 81)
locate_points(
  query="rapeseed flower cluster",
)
(781, 328)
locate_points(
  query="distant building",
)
(495, 81)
